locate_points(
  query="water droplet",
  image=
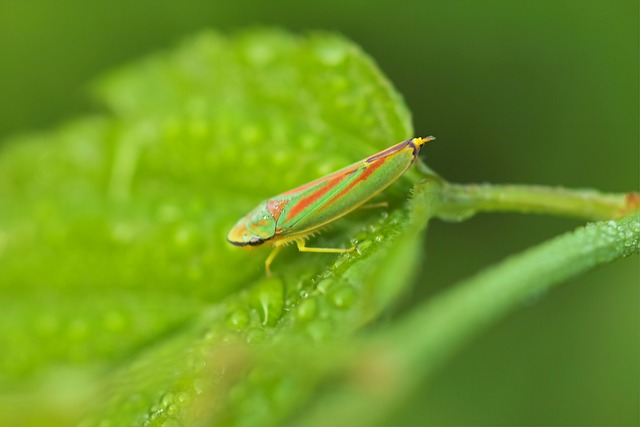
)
(326, 274)
(255, 335)
(320, 330)
(167, 399)
(331, 52)
(238, 319)
(363, 246)
(344, 297)
(228, 337)
(209, 336)
(341, 260)
(304, 294)
(306, 310)
(379, 238)
(198, 385)
(199, 365)
(361, 236)
(324, 285)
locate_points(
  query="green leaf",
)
(116, 274)
(123, 304)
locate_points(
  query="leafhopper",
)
(296, 214)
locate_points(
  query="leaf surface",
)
(122, 301)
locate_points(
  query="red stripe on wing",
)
(340, 173)
(308, 200)
(371, 168)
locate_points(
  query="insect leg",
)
(270, 258)
(303, 248)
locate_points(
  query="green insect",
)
(296, 214)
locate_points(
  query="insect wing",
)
(304, 200)
(337, 194)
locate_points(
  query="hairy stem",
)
(461, 201)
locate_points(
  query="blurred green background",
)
(539, 92)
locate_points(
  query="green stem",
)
(393, 362)
(461, 201)
(476, 302)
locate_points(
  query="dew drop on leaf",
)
(344, 297)
(306, 310)
(324, 285)
(255, 335)
(320, 330)
(238, 319)
(331, 53)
